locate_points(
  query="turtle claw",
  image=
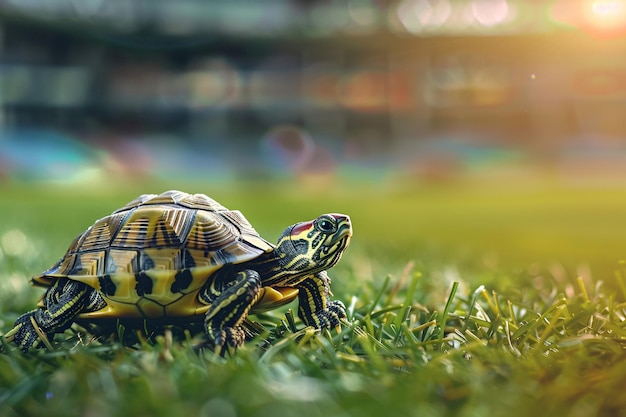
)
(227, 339)
(330, 317)
(26, 333)
(221, 350)
(343, 321)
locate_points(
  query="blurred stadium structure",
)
(426, 88)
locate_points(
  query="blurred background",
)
(429, 89)
(417, 108)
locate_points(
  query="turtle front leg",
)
(230, 301)
(61, 303)
(315, 309)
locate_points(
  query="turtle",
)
(185, 256)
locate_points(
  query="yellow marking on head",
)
(309, 247)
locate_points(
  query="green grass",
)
(470, 301)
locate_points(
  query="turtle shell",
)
(150, 258)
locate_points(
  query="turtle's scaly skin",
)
(177, 255)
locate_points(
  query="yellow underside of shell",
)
(130, 300)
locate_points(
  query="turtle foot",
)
(26, 333)
(330, 317)
(226, 339)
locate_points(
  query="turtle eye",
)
(325, 225)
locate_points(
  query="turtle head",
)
(313, 246)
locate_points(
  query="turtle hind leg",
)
(230, 305)
(62, 302)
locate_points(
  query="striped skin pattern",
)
(179, 255)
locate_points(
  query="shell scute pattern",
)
(96, 237)
(192, 201)
(202, 202)
(247, 231)
(153, 226)
(240, 222)
(210, 233)
(89, 263)
(121, 260)
(152, 256)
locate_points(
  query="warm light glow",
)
(606, 8)
(490, 12)
(600, 18)
(607, 13)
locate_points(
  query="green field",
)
(464, 299)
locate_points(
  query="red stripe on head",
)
(339, 217)
(301, 227)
